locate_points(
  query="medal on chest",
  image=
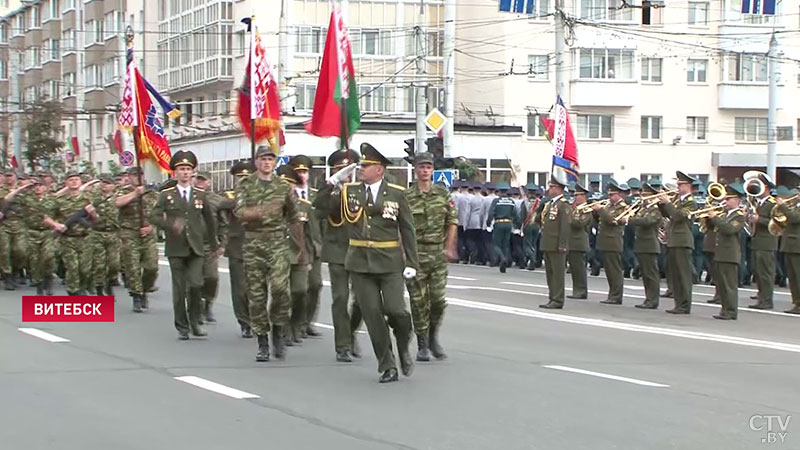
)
(390, 210)
(353, 205)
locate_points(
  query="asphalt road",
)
(590, 376)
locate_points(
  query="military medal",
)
(390, 210)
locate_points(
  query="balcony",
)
(604, 93)
(744, 96)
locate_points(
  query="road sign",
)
(126, 158)
(443, 177)
(281, 160)
(435, 120)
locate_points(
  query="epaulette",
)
(352, 184)
(739, 212)
(230, 194)
(563, 199)
(201, 190)
(169, 189)
(396, 186)
(771, 199)
(301, 200)
(313, 190)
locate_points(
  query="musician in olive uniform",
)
(184, 213)
(233, 251)
(680, 242)
(530, 229)
(646, 223)
(334, 250)
(728, 252)
(763, 246)
(211, 265)
(503, 213)
(74, 250)
(383, 251)
(790, 247)
(609, 241)
(579, 244)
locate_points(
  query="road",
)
(590, 376)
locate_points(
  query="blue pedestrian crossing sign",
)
(281, 160)
(443, 177)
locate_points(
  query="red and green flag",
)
(336, 104)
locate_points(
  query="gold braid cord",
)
(346, 211)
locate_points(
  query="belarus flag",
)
(336, 104)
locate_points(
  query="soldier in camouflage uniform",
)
(266, 206)
(211, 265)
(38, 209)
(138, 238)
(73, 239)
(104, 236)
(15, 256)
(436, 223)
(233, 251)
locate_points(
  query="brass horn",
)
(716, 191)
(755, 187)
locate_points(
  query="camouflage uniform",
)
(266, 249)
(14, 256)
(105, 243)
(433, 212)
(77, 260)
(41, 242)
(139, 254)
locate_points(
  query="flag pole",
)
(344, 141)
(250, 26)
(136, 136)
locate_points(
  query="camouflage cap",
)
(106, 178)
(71, 173)
(134, 171)
(264, 150)
(423, 158)
(203, 175)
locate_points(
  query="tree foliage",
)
(43, 119)
(114, 168)
(88, 167)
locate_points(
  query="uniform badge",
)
(198, 204)
(353, 205)
(170, 200)
(390, 210)
(303, 216)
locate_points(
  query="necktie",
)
(369, 196)
(303, 194)
(186, 195)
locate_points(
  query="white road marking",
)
(216, 387)
(453, 277)
(42, 335)
(607, 376)
(735, 340)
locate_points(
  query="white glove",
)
(342, 175)
(409, 273)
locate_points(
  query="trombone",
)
(705, 213)
(588, 207)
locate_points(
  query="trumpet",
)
(705, 212)
(588, 207)
(631, 210)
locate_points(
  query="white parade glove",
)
(409, 273)
(343, 175)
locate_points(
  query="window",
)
(241, 43)
(53, 90)
(372, 99)
(538, 67)
(751, 129)
(4, 33)
(600, 63)
(3, 69)
(19, 26)
(604, 10)
(36, 16)
(68, 83)
(651, 70)
(199, 108)
(30, 94)
(595, 127)
(540, 8)
(696, 70)
(697, 129)
(111, 71)
(112, 24)
(698, 13)
(34, 58)
(535, 127)
(68, 40)
(747, 67)
(646, 177)
(93, 77)
(651, 12)
(305, 97)
(651, 128)
(55, 9)
(69, 4)
(51, 50)
(380, 42)
(94, 32)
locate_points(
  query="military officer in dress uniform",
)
(530, 229)
(579, 244)
(555, 234)
(609, 241)
(728, 252)
(382, 251)
(202, 181)
(763, 246)
(334, 250)
(186, 216)
(502, 212)
(680, 242)
(233, 251)
(646, 222)
(790, 246)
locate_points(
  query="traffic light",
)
(436, 146)
(410, 150)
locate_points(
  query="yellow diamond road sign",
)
(435, 120)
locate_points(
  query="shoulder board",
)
(563, 200)
(201, 190)
(230, 194)
(352, 184)
(396, 186)
(313, 190)
(739, 212)
(169, 189)
(771, 199)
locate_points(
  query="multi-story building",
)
(7, 6)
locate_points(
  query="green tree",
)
(114, 167)
(88, 167)
(57, 167)
(466, 168)
(41, 129)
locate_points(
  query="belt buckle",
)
(370, 244)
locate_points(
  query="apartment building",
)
(7, 6)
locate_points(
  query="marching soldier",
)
(15, 235)
(709, 248)
(436, 222)
(646, 222)
(38, 210)
(104, 237)
(631, 265)
(555, 226)
(306, 194)
(579, 244)
(266, 206)
(680, 242)
(381, 230)
(74, 250)
(334, 249)
(139, 255)
(790, 246)
(728, 252)
(233, 251)
(185, 215)
(609, 241)
(211, 258)
(503, 212)
(763, 246)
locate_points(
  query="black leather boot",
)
(433, 342)
(109, 290)
(40, 288)
(9, 283)
(209, 314)
(423, 353)
(263, 348)
(48, 285)
(278, 343)
(145, 301)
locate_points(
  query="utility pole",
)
(421, 38)
(450, 74)
(772, 112)
(561, 66)
(16, 104)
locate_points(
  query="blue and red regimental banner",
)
(67, 308)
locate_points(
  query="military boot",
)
(48, 285)
(109, 290)
(40, 288)
(9, 283)
(423, 354)
(137, 303)
(435, 346)
(209, 314)
(263, 348)
(278, 343)
(100, 291)
(145, 302)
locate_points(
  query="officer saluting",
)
(376, 214)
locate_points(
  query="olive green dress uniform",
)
(646, 223)
(41, 242)
(790, 247)
(211, 258)
(503, 212)
(609, 243)
(234, 253)
(105, 241)
(727, 255)
(185, 250)
(763, 246)
(335, 243)
(578, 247)
(555, 234)
(709, 248)
(73, 243)
(680, 243)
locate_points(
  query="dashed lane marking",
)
(216, 387)
(42, 335)
(607, 376)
